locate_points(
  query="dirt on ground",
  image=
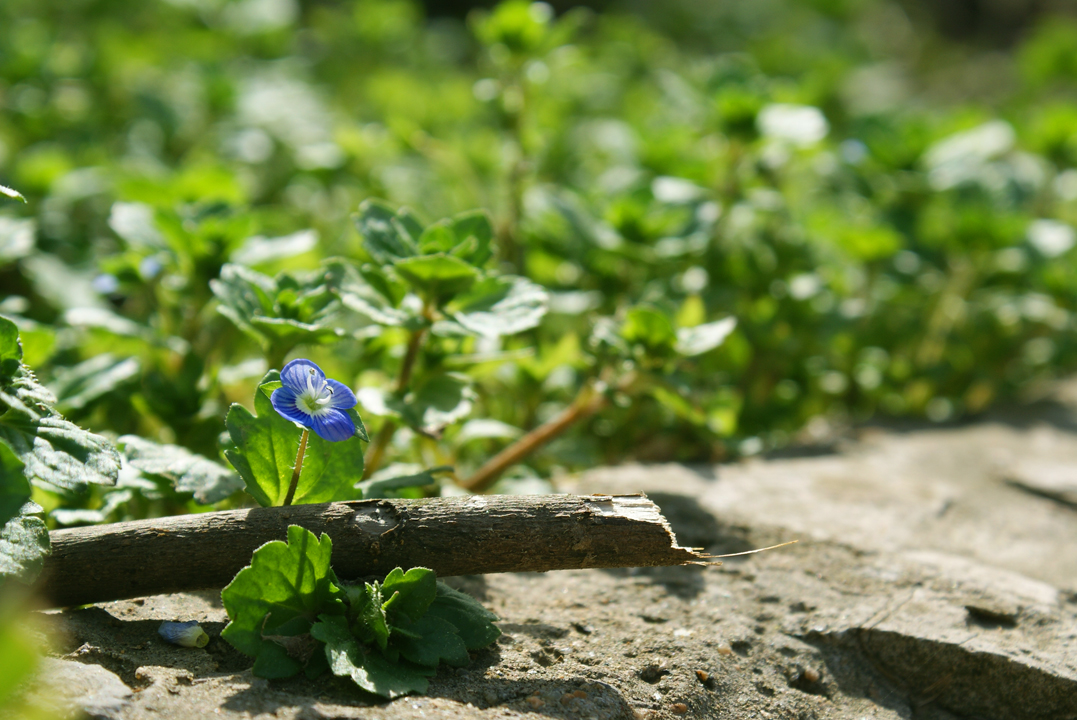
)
(935, 577)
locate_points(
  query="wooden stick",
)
(582, 408)
(453, 536)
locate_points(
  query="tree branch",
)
(586, 404)
(453, 536)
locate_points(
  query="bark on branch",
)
(453, 536)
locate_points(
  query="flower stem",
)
(298, 467)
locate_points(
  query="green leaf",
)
(414, 591)
(701, 338)
(438, 641)
(59, 453)
(390, 288)
(681, 406)
(368, 668)
(330, 469)
(243, 294)
(390, 478)
(368, 611)
(282, 592)
(13, 194)
(266, 445)
(370, 292)
(24, 543)
(81, 385)
(472, 621)
(14, 488)
(277, 311)
(258, 250)
(473, 224)
(409, 224)
(38, 445)
(440, 401)
(136, 224)
(650, 328)
(437, 277)
(210, 482)
(9, 346)
(16, 238)
(438, 238)
(383, 238)
(494, 307)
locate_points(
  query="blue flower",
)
(311, 400)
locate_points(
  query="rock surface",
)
(935, 578)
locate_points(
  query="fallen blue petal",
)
(185, 634)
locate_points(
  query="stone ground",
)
(935, 578)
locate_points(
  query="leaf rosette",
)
(289, 611)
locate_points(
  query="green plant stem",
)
(376, 453)
(298, 467)
(586, 403)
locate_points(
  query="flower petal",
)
(335, 425)
(295, 374)
(343, 397)
(283, 400)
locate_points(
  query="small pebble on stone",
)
(679, 708)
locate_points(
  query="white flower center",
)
(315, 399)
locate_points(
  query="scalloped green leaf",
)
(266, 446)
(473, 622)
(437, 277)
(280, 594)
(367, 667)
(409, 594)
(438, 642)
(384, 237)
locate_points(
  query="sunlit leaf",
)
(9, 192)
(286, 586)
(210, 482)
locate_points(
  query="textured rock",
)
(934, 579)
(70, 689)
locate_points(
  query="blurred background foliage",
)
(882, 194)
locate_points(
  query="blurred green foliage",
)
(888, 217)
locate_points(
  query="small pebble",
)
(581, 694)
(811, 675)
(567, 698)
(703, 675)
(679, 708)
(724, 649)
(535, 702)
